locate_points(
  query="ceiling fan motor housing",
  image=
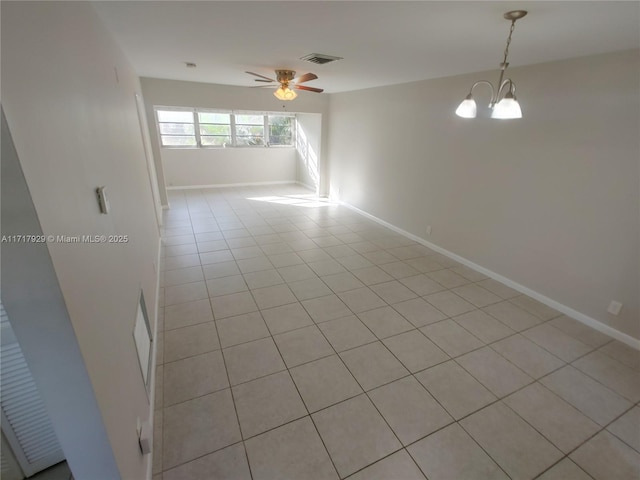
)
(285, 75)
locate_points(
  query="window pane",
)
(207, 129)
(251, 119)
(211, 141)
(280, 130)
(175, 116)
(178, 141)
(248, 141)
(280, 120)
(281, 140)
(246, 130)
(208, 117)
(177, 128)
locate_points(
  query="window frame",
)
(293, 128)
(232, 127)
(235, 132)
(175, 109)
(213, 110)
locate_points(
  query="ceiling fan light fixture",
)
(285, 93)
(286, 81)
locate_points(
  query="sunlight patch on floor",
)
(309, 201)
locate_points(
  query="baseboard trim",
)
(570, 312)
(229, 185)
(152, 380)
(306, 185)
(159, 269)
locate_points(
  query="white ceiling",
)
(382, 42)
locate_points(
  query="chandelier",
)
(504, 104)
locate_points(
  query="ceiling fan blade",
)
(265, 86)
(265, 81)
(310, 89)
(306, 77)
(261, 76)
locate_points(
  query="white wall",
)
(68, 94)
(40, 321)
(308, 149)
(189, 167)
(550, 201)
(203, 95)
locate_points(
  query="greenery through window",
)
(200, 128)
(281, 129)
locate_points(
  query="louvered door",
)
(25, 422)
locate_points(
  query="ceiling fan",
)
(287, 80)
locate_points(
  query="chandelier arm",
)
(485, 82)
(512, 87)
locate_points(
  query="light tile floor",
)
(299, 340)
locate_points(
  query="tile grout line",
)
(592, 349)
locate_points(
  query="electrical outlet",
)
(614, 307)
(428, 229)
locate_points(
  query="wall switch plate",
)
(428, 229)
(145, 438)
(103, 203)
(614, 307)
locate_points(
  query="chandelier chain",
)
(506, 50)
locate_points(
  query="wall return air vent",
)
(320, 58)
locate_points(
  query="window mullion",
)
(196, 127)
(294, 131)
(266, 131)
(233, 129)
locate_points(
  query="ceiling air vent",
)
(320, 58)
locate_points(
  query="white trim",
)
(225, 185)
(306, 185)
(154, 345)
(148, 154)
(152, 380)
(581, 317)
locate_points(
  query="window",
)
(215, 129)
(249, 130)
(280, 130)
(176, 128)
(200, 128)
